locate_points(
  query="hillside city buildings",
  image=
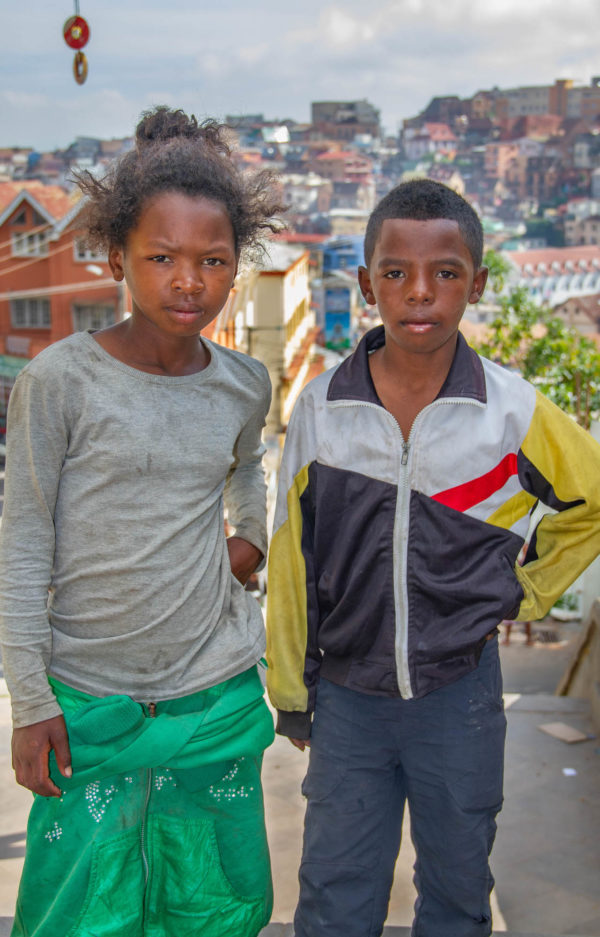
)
(528, 158)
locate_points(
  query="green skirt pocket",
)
(188, 890)
(113, 904)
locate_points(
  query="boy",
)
(408, 487)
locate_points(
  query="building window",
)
(30, 245)
(93, 317)
(296, 319)
(84, 254)
(30, 313)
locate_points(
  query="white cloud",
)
(277, 57)
(341, 29)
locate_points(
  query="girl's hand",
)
(31, 746)
(244, 558)
(300, 743)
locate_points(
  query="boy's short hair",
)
(425, 200)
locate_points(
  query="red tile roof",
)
(439, 132)
(342, 154)
(51, 197)
(584, 259)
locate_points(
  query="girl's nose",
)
(186, 281)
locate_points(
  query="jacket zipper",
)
(399, 551)
(400, 536)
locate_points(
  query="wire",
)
(55, 290)
(36, 230)
(35, 260)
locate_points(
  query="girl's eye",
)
(160, 259)
(213, 262)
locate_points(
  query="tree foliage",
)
(561, 362)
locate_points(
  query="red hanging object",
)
(76, 32)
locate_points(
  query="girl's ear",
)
(115, 262)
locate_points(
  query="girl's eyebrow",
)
(162, 244)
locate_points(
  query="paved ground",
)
(546, 858)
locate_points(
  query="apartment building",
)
(269, 315)
(50, 284)
(344, 120)
(554, 275)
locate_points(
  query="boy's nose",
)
(419, 291)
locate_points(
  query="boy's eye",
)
(393, 274)
(447, 275)
(160, 258)
(213, 262)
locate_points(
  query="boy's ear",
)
(364, 281)
(115, 262)
(479, 281)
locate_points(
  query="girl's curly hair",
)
(173, 152)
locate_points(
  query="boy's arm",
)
(293, 654)
(245, 494)
(559, 463)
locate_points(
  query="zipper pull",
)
(405, 448)
(152, 710)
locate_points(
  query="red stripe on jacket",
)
(463, 497)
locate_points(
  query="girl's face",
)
(179, 263)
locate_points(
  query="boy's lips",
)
(418, 325)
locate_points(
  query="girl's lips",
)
(185, 313)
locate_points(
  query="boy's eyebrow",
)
(439, 261)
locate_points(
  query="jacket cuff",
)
(295, 725)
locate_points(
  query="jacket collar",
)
(352, 380)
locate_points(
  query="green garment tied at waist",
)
(196, 736)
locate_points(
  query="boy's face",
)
(421, 277)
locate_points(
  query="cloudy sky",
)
(274, 57)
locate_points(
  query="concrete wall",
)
(582, 676)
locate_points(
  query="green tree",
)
(561, 362)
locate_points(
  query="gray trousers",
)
(443, 754)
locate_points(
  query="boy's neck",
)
(406, 383)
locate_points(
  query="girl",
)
(130, 645)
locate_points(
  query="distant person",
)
(130, 644)
(408, 478)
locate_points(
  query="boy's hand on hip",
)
(244, 558)
(31, 746)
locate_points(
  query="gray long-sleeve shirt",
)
(114, 570)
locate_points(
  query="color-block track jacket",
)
(392, 560)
